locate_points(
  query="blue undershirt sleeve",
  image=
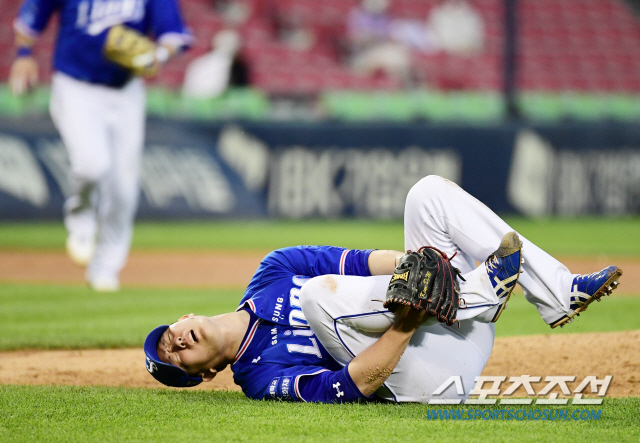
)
(357, 262)
(35, 14)
(310, 384)
(329, 387)
(166, 20)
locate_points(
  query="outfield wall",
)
(296, 170)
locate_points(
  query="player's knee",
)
(432, 182)
(314, 292)
(90, 173)
(428, 187)
(126, 199)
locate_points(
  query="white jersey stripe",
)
(248, 304)
(343, 259)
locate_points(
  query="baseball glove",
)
(132, 50)
(425, 280)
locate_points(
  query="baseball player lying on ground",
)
(327, 324)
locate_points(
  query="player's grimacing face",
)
(189, 344)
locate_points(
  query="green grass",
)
(63, 317)
(558, 236)
(225, 235)
(51, 316)
(615, 313)
(582, 236)
(71, 414)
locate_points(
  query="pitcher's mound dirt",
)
(618, 354)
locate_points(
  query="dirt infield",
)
(188, 269)
(202, 269)
(618, 353)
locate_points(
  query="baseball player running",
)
(312, 325)
(98, 106)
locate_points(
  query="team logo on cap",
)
(151, 366)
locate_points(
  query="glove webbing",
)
(451, 273)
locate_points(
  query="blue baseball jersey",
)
(83, 29)
(280, 357)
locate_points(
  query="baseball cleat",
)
(80, 250)
(589, 287)
(504, 267)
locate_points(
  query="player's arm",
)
(306, 383)
(24, 69)
(383, 262)
(31, 21)
(168, 46)
(371, 368)
(143, 53)
(312, 261)
(168, 26)
(360, 379)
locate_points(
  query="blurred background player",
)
(456, 27)
(211, 74)
(98, 107)
(373, 47)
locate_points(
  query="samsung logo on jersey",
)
(99, 15)
(277, 310)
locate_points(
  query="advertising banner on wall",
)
(287, 170)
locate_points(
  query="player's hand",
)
(23, 75)
(409, 319)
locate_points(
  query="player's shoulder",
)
(283, 257)
(299, 252)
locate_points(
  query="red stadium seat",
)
(590, 45)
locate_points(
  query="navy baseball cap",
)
(165, 373)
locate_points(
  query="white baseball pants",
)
(347, 316)
(103, 131)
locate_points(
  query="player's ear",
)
(186, 316)
(208, 375)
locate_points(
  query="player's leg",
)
(440, 213)
(346, 314)
(78, 111)
(352, 301)
(120, 189)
